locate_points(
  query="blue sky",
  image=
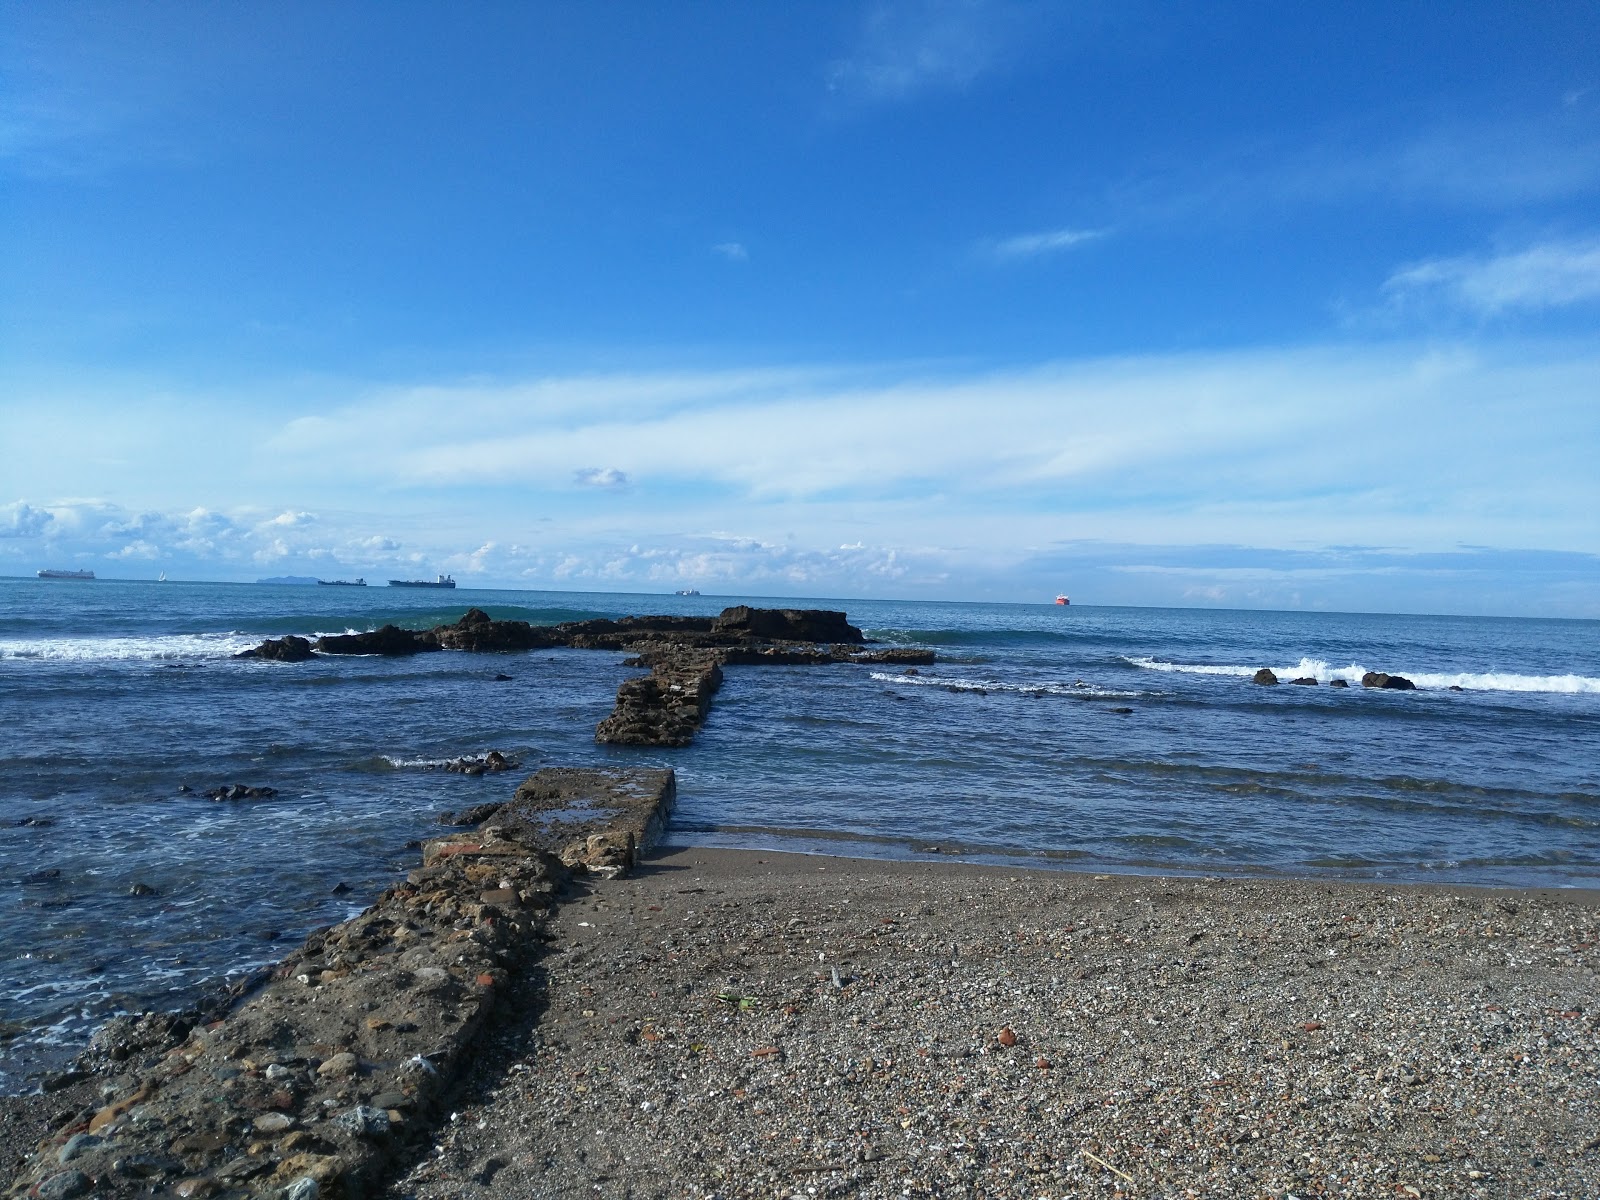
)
(1224, 304)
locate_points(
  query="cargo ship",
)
(342, 582)
(443, 581)
(66, 574)
(1062, 600)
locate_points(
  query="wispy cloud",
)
(732, 251)
(907, 47)
(1544, 276)
(1035, 245)
(1471, 165)
(601, 477)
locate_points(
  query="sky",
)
(1229, 304)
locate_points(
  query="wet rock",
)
(36, 822)
(141, 889)
(787, 624)
(1304, 681)
(390, 641)
(1338, 683)
(477, 631)
(502, 679)
(48, 875)
(1393, 683)
(284, 649)
(240, 791)
(1266, 677)
(476, 815)
(304, 1188)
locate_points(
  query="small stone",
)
(339, 1066)
(241, 1168)
(276, 1071)
(387, 1100)
(196, 1188)
(1006, 1037)
(363, 1121)
(304, 1188)
(273, 1122)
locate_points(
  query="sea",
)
(1072, 737)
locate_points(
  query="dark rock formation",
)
(240, 791)
(1265, 677)
(1393, 683)
(284, 649)
(787, 624)
(390, 641)
(1305, 681)
(478, 631)
(1338, 683)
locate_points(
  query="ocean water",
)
(1116, 739)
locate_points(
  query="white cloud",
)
(1548, 275)
(1032, 245)
(911, 46)
(292, 519)
(732, 251)
(20, 520)
(601, 477)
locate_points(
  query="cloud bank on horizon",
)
(947, 299)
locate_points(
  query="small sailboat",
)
(161, 578)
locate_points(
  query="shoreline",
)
(638, 970)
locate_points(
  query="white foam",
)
(1322, 672)
(990, 685)
(162, 648)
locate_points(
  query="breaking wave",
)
(1323, 672)
(164, 648)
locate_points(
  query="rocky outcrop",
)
(787, 624)
(479, 632)
(1393, 683)
(1305, 681)
(1265, 677)
(390, 641)
(668, 706)
(344, 1058)
(284, 649)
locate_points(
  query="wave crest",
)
(1323, 672)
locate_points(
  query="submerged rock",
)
(240, 791)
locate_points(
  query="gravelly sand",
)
(748, 1024)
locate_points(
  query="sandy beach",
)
(752, 1024)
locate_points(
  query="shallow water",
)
(115, 694)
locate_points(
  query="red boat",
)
(1062, 600)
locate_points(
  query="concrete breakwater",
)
(685, 656)
(340, 1064)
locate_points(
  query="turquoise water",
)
(1013, 748)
